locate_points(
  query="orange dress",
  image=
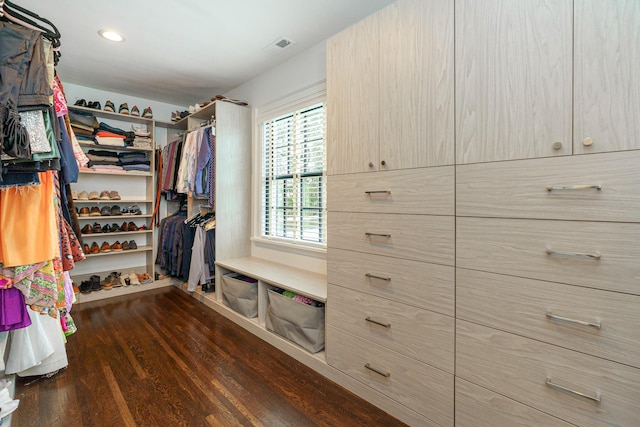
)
(28, 223)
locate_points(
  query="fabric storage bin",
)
(298, 322)
(240, 293)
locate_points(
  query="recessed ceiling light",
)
(114, 36)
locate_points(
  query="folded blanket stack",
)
(135, 161)
(142, 137)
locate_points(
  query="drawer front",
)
(418, 237)
(423, 388)
(414, 332)
(542, 249)
(412, 191)
(553, 313)
(553, 188)
(478, 407)
(421, 284)
(533, 372)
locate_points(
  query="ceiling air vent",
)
(278, 45)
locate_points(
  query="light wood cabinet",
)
(607, 77)
(546, 241)
(591, 321)
(414, 332)
(418, 386)
(580, 389)
(353, 108)
(420, 284)
(416, 237)
(416, 84)
(478, 407)
(411, 191)
(597, 255)
(600, 187)
(513, 79)
(389, 107)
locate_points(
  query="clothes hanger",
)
(52, 35)
(9, 16)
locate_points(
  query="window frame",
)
(282, 108)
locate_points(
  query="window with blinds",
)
(294, 176)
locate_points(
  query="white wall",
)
(292, 80)
(161, 111)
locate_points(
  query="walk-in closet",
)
(329, 213)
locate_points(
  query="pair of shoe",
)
(109, 195)
(179, 115)
(130, 279)
(104, 195)
(91, 285)
(95, 249)
(131, 226)
(112, 281)
(131, 210)
(144, 278)
(91, 104)
(129, 246)
(108, 106)
(97, 211)
(224, 98)
(146, 113)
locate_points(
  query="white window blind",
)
(294, 176)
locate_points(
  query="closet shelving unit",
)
(232, 180)
(134, 189)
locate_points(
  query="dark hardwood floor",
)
(160, 358)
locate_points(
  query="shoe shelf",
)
(107, 217)
(117, 233)
(130, 251)
(127, 174)
(114, 116)
(124, 200)
(116, 291)
(134, 188)
(109, 147)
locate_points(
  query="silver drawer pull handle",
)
(388, 192)
(373, 276)
(595, 256)
(551, 384)
(575, 187)
(377, 235)
(568, 320)
(377, 371)
(377, 322)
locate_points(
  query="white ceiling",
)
(184, 51)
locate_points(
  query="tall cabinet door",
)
(416, 84)
(513, 79)
(607, 84)
(352, 99)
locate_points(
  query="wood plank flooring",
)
(160, 358)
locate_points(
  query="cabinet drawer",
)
(535, 373)
(526, 307)
(542, 249)
(545, 188)
(421, 284)
(414, 332)
(478, 407)
(411, 191)
(417, 237)
(423, 388)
